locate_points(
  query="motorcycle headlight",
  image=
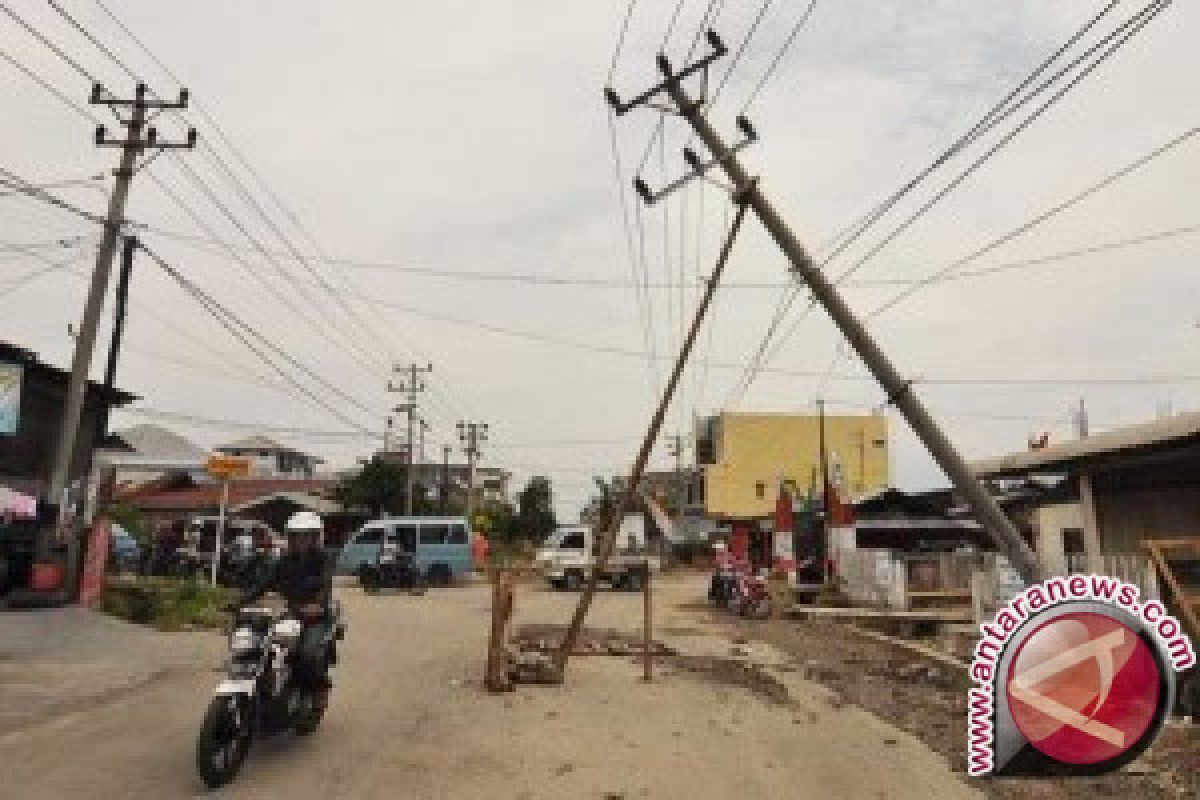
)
(243, 641)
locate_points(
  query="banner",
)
(10, 397)
(91, 584)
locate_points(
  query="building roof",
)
(28, 359)
(241, 492)
(158, 442)
(1066, 456)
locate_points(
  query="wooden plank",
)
(912, 615)
(1187, 607)
(963, 593)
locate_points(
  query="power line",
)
(779, 54)
(1114, 40)
(612, 67)
(40, 81)
(58, 51)
(239, 328)
(95, 42)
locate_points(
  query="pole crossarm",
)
(671, 79)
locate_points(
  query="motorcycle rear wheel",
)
(309, 717)
(224, 740)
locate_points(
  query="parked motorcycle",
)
(392, 570)
(259, 696)
(750, 596)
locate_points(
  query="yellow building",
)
(745, 455)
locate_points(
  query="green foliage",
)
(380, 487)
(167, 603)
(133, 521)
(535, 510)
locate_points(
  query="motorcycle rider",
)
(304, 577)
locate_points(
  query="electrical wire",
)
(58, 51)
(1113, 41)
(779, 55)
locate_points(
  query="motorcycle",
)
(750, 596)
(259, 696)
(392, 570)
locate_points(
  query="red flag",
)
(838, 514)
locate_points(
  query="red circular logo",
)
(1084, 688)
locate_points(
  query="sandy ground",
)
(409, 719)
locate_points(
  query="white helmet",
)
(304, 521)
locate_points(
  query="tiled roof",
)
(209, 496)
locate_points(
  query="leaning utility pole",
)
(118, 332)
(471, 434)
(806, 273)
(410, 386)
(138, 138)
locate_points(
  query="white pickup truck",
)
(568, 555)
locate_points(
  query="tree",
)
(535, 510)
(380, 487)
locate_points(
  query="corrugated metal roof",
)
(1062, 456)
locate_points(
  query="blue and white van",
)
(441, 546)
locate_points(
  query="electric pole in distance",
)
(411, 385)
(471, 434)
(809, 275)
(444, 504)
(675, 449)
(139, 137)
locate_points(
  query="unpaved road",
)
(408, 719)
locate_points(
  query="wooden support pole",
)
(496, 678)
(647, 625)
(616, 512)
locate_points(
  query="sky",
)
(380, 146)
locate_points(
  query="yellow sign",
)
(228, 467)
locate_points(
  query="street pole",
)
(411, 386)
(675, 448)
(220, 529)
(807, 274)
(445, 493)
(132, 146)
(118, 331)
(471, 434)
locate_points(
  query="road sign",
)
(228, 467)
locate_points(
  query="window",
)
(434, 534)
(574, 541)
(760, 489)
(406, 537)
(458, 534)
(369, 536)
(1072, 541)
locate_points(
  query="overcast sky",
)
(473, 137)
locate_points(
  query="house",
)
(491, 483)
(1126, 486)
(32, 399)
(270, 459)
(150, 444)
(745, 456)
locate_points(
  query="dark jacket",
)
(302, 578)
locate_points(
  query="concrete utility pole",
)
(138, 138)
(118, 331)
(471, 434)
(1081, 419)
(444, 504)
(806, 273)
(410, 386)
(675, 449)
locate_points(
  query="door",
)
(362, 548)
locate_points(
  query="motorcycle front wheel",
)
(224, 739)
(309, 715)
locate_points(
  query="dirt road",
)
(409, 719)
